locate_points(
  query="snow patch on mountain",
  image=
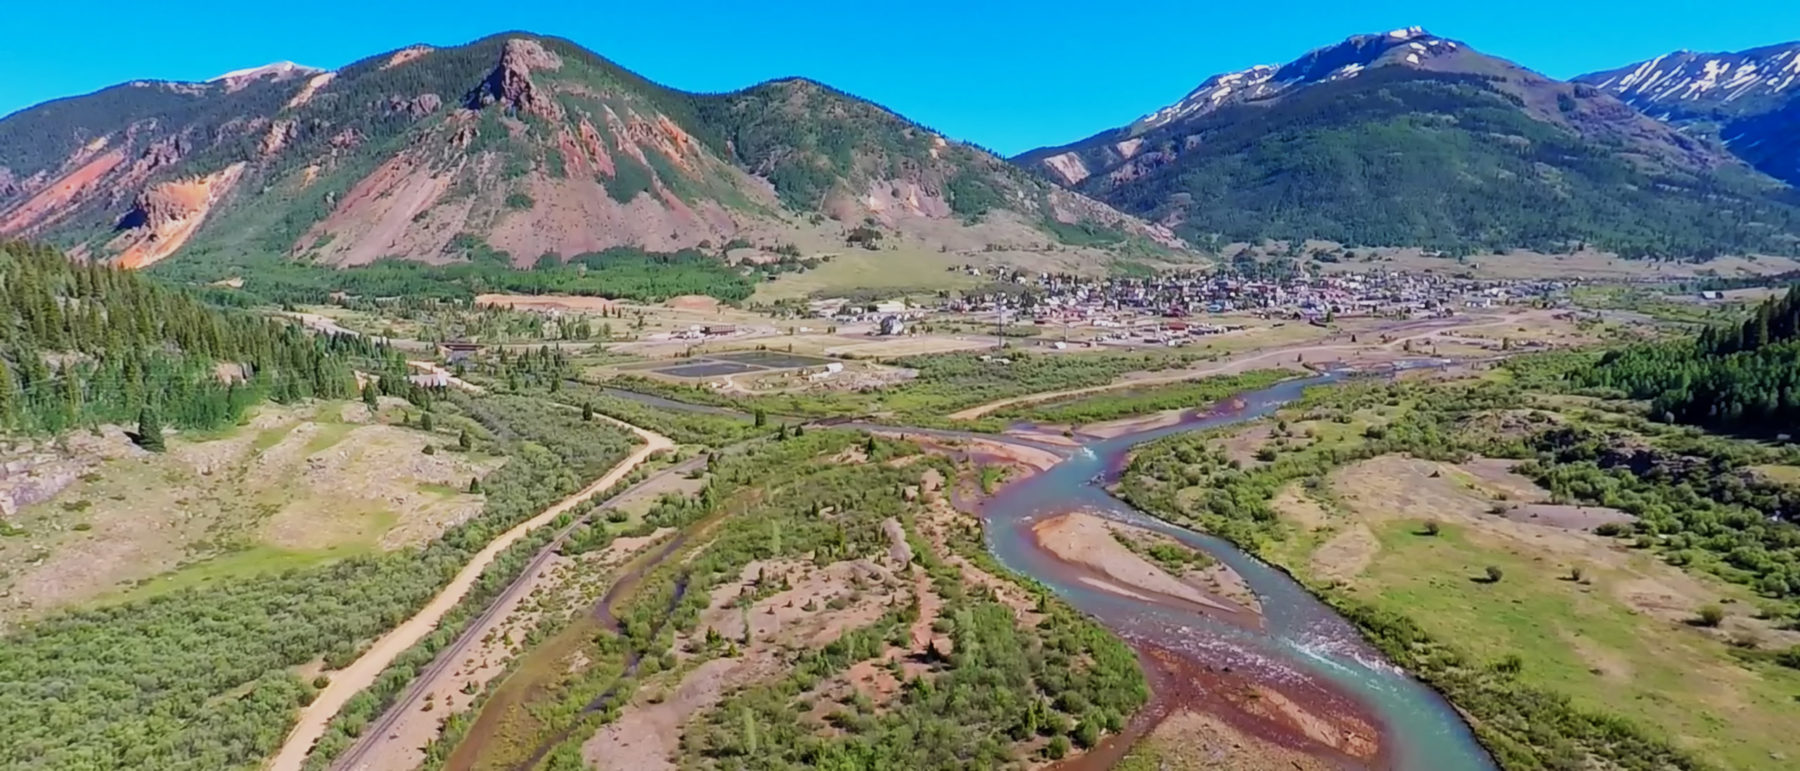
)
(1211, 93)
(237, 79)
(1334, 62)
(1687, 76)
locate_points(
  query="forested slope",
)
(1410, 139)
(88, 344)
(1743, 377)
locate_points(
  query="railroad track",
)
(355, 758)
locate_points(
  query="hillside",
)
(1410, 138)
(86, 345)
(509, 149)
(1748, 99)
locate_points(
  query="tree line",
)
(1742, 377)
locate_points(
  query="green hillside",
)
(514, 149)
(1449, 161)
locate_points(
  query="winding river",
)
(1314, 655)
(1302, 650)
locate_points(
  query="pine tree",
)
(474, 485)
(150, 432)
(426, 423)
(464, 441)
(9, 406)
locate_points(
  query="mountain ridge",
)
(525, 147)
(1748, 100)
(516, 144)
(1406, 138)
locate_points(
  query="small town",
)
(1169, 306)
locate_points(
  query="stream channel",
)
(1302, 649)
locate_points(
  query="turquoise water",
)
(1302, 639)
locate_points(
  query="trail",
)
(351, 680)
(1235, 365)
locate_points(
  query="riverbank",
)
(1505, 584)
(1302, 681)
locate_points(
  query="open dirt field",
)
(914, 345)
(1614, 636)
(294, 486)
(1373, 346)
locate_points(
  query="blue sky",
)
(1007, 75)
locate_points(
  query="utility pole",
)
(999, 325)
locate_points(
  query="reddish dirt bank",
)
(1204, 716)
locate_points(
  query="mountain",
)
(1407, 138)
(1749, 99)
(516, 147)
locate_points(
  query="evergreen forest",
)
(1742, 378)
(83, 344)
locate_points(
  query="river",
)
(1303, 646)
(1303, 649)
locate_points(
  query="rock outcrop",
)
(510, 83)
(416, 107)
(165, 216)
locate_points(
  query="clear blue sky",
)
(1006, 74)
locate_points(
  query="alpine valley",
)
(494, 408)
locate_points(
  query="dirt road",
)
(434, 368)
(351, 680)
(394, 740)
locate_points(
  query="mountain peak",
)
(1337, 144)
(1408, 46)
(1211, 93)
(1748, 99)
